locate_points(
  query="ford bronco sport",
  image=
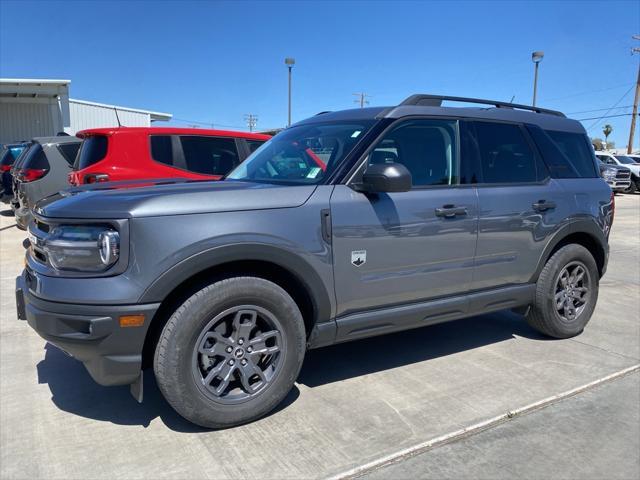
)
(346, 225)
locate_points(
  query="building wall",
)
(25, 118)
(85, 115)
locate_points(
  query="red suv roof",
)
(172, 131)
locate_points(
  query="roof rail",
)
(322, 113)
(436, 101)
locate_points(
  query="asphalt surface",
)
(351, 405)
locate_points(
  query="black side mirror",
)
(386, 177)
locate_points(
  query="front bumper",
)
(91, 333)
(619, 185)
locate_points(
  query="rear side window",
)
(209, 155)
(505, 154)
(36, 159)
(93, 149)
(198, 154)
(161, 149)
(254, 144)
(69, 151)
(573, 157)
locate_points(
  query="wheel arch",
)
(282, 267)
(581, 232)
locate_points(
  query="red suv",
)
(132, 153)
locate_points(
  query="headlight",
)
(609, 174)
(82, 248)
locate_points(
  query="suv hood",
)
(169, 197)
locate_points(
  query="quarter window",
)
(505, 154)
(427, 148)
(69, 151)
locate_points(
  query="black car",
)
(9, 154)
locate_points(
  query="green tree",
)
(597, 143)
(607, 129)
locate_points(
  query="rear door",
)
(520, 205)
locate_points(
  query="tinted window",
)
(209, 155)
(7, 157)
(254, 144)
(505, 154)
(625, 160)
(93, 149)
(161, 149)
(304, 154)
(69, 151)
(36, 159)
(576, 150)
(426, 147)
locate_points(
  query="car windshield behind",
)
(303, 154)
(626, 160)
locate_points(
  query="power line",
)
(598, 110)
(614, 106)
(587, 93)
(602, 118)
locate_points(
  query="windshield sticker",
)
(313, 172)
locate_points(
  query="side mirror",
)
(386, 177)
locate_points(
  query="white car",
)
(623, 161)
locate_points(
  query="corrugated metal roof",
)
(154, 115)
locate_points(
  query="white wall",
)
(85, 115)
(25, 118)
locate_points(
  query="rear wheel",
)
(566, 293)
(231, 352)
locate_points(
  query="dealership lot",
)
(351, 406)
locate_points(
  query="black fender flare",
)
(286, 259)
(583, 225)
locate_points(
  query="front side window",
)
(303, 154)
(209, 155)
(92, 150)
(625, 160)
(427, 148)
(505, 154)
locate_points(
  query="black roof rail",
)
(322, 113)
(436, 101)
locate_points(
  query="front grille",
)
(623, 174)
(42, 226)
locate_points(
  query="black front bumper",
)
(90, 333)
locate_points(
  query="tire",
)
(545, 315)
(631, 189)
(214, 321)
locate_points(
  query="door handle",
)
(450, 211)
(543, 205)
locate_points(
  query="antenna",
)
(117, 118)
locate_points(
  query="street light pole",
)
(536, 58)
(289, 62)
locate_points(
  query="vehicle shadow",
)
(7, 213)
(74, 391)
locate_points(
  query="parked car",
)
(125, 153)
(41, 173)
(8, 156)
(346, 225)
(617, 177)
(634, 156)
(623, 161)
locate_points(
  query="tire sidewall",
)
(546, 290)
(182, 391)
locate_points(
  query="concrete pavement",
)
(350, 406)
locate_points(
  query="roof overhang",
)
(155, 116)
(33, 88)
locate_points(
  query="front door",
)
(399, 248)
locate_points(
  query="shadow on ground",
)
(7, 213)
(74, 391)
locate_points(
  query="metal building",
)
(39, 108)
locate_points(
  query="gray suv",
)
(346, 225)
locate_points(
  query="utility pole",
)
(252, 121)
(362, 99)
(536, 58)
(632, 129)
(289, 62)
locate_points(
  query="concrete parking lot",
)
(352, 407)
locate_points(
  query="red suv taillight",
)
(96, 178)
(5, 168)
(31, 174)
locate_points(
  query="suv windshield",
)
(301, 155)
(626, 160)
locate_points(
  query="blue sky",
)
(217, 61)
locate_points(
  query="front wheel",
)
(231, 352)
(631, 188)
(566, 293)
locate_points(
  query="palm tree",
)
(607, 129)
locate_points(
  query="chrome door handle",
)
(450, 211)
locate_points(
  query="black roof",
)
(430, 105)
